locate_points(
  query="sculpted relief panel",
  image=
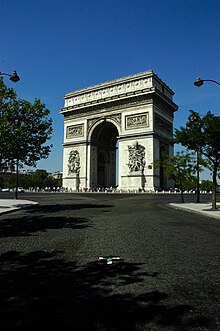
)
(140, 120)
(115, 117)
(73, 163)
(75, 131)
(136, 157)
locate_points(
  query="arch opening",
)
(103, 159)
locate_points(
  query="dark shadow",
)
(27, 225)
(54, 208)
(42, 291)
(46, 217)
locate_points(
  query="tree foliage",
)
(180, 167)
(202, 134)
(206, 185)
(39, 179)
(24, 129)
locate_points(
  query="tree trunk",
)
(181, 190)
(182, 197)
(197, 179)
(214, 185)
(16, 188)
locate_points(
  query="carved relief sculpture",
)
(137, 121)
(115, 117)
(136, 157)
(74, 163)
(74, 131)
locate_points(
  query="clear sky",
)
(58, 46)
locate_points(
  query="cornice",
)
(128, 136)
(144, 74)
(135, 100)
(159, 97)
(122, 88)
(103, 98)
(110, 83)
(71, 143)
(115, 105)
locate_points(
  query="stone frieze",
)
(140, 120)
(109, 92)
(75, 131)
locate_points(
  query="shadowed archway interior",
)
(104, 139)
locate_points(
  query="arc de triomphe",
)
(113, 131)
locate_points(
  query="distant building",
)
(9, 170)
(57, 174)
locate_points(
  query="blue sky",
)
(58, 46)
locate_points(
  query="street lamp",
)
(194, 120)
(13, 77)
(199, 82)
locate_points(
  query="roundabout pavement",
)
(10, 205)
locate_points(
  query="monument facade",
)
(113, 132)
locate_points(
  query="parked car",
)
(20, 189)
(6, 190)
(174, 189)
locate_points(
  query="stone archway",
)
(136, 111)
(103, 155)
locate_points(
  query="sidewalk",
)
(9, 205)
(201, 208)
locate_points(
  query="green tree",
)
(10, 181)
(7, 95)
(39, 178)
(180, 168)
(206, 185)
(202, 134)
(42, 179)
(24, 130)
(191, 183)
(52, 182)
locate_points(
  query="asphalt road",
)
(167, 277)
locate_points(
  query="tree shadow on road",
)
(42, 291)
(45, 217)
(29, 225)
(55, 208)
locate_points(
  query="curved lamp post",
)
(199, 82)
(13, 77)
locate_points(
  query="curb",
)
(210, 213)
